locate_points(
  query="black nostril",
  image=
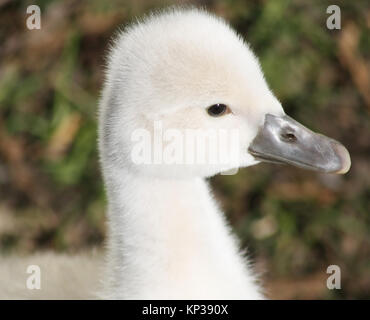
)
(288, 137)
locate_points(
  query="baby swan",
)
(178, 72)
(181, 71)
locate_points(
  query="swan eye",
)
(218, 109)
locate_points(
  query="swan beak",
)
(284, 140)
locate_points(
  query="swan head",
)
(185, 96)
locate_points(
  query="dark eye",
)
(218, 109)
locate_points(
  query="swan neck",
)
(167, 239)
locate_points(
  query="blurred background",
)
(294, 223)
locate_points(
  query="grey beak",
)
(284, 140)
